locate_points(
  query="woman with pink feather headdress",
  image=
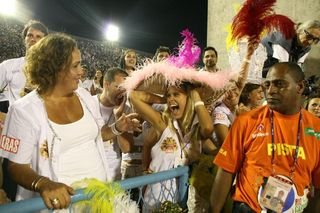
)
(179, 130)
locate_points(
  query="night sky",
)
(144, 24)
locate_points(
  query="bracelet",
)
(247, 60)
(114, 129)
(198, 103)
(35, 182)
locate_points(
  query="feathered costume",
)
(257, 16)
(156, 77)
(254, 19)
(104, 198)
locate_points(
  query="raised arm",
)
(124, 124)
(206, 126)
(125, 140)
(142, 104)
(244, 70)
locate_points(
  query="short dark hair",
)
(162, 49)
(112, 72)
(209, 48)
(293, 68)
(35, 25)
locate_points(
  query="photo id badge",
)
(275, 193)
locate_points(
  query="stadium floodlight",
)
(112, 32)
(8, 7)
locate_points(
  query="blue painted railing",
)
(36, 204)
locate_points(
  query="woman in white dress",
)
(53, 136)
(177, 142)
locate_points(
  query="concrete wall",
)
(220, 14)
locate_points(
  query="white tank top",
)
(165, 152)
(79, 156)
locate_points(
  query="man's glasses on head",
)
(311, 37)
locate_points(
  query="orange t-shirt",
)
(247, 151)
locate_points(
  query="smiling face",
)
(130, 60)
(176, 101)
(210, 59)
(256, 97)
(314, 106)
(231, 97)
(71, 75)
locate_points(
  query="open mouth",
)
(131, 62)
(174, 108)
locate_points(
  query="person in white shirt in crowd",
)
(210, 59)
(11, 71)
(96, 87)
(128, 61)
(131, 165)
(13, 82)
(63, 141)
(4, 100)
(85, 82)
(225, 111)
(112, 104)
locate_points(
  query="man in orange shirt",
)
(271, 148)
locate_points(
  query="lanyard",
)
(295, 157)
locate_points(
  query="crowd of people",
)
(10, 38)
(95, 54)
(100, 115)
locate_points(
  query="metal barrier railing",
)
(36, 204)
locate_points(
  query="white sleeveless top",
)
(79, 156)
(165, 152)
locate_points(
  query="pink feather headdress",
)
(156, 77)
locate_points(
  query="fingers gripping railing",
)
(36, 204)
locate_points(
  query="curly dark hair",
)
(47, 58)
